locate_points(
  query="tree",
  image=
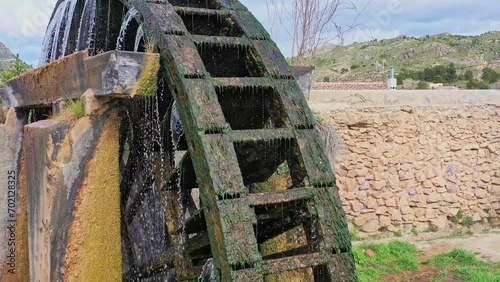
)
(310, 24)
(468, 75)
(490, 75)
(439, 74)
(451, 73)
(19, 68)
(422, 85)
(476, 84)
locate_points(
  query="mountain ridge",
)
(7, 58)
(371, 61)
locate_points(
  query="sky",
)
(23, 22)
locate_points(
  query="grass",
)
(414, 231)
(398, 234)
(457, 234)
(467, 221)
(318, 118)
(393, 257)
(355, 235)
(432, 229)
(74, 110)
(374, 262)
(151, 46)
(464, 265)
(456, 218)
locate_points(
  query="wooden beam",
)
(114, 73)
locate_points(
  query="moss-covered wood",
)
(258, 160)
(115, 73)
(230, 209)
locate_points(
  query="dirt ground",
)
(486, 245)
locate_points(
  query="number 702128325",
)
(11, 194)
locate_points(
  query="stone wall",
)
(415, 167)
(13, 222)
(72, 179)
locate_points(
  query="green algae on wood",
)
(147, 83)
(96, 227)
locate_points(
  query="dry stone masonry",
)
(415, 167)
(415, 160)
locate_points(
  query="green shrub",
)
(422, 85)
(467, 221)
(414, 231)
(432, 229)
(398, 234)
(490, 76)
(317, 118)
(476, 84)
(456, 218)
(468, 75)
(355, 235)
(490, 220)
(19, 68)
(326, 79)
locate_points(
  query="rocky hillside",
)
(370, 61)
(6, 57)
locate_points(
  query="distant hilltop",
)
(6, 57)
(370, 61)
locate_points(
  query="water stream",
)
(139, 38)
(52, 35)
(58, 31)
(131, 14)
(68, 19)
(87, 25)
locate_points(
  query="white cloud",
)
(24, 21)
(23, 26)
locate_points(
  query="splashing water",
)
(176, 125)
(67, 26)
(139, 36)
(208, 272)
(52, 34)
(131, 14)
(55, 41)
(147, 230)
(87, 24)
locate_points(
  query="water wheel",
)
(213, 183)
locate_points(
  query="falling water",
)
(208, 272)
(67, 27)
(139, 36)
(177, 133)
(176, 126)
(58, 31)
(86, 28)
(52, 35)
(147, 230)
(131, 14)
